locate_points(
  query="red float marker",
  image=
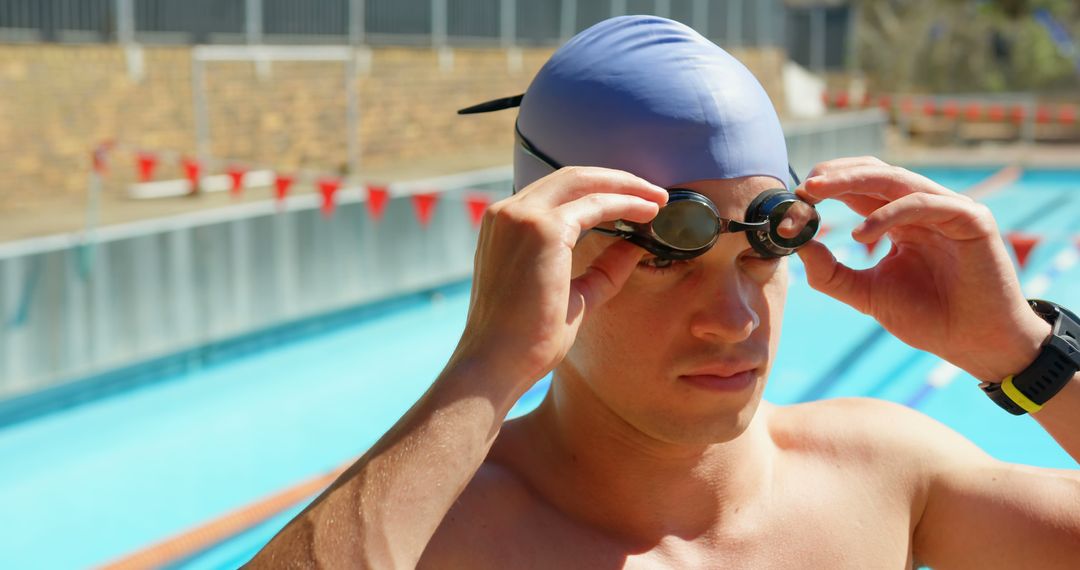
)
(1043, 114)
(950, 109)
(376, 201)
(1018, 113)
(870, 247)
(929, 107)
(823, 230)
(98, 159)
(192, 169)
(842, 100)
(996, 113)
(476, 203)
(146, 162)
(328, 187)
(1067, 114)
(425, 206)
(282, 182)
(973, 111)
(1022, 245)
(884, 102)
(236, 177)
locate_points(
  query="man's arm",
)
(1061, 417)
(525, 311)
(985, 513)
(383, 510)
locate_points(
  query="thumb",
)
(833, 278)
(606, 275)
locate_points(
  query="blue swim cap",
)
(652, 97)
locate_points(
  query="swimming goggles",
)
(776, 223)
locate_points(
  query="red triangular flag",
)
(328, 187)
(1022, 245)
(376, 201)
(236, 175)
(191, 172)
(98, 157)
(425, 206)
(281, 185)
(870, 247)
(476, 203)
(147, 162)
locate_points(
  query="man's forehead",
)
(732, 196)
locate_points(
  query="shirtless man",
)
(653, 448)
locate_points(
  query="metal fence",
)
(427, 22)
(75, 305)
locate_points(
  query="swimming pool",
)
(95, 482)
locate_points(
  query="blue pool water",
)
(95, 482)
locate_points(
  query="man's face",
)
(717, 313)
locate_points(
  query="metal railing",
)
(731, 23)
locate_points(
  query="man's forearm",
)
(384, 509)
(1061, 417)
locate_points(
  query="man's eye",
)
(659, 264)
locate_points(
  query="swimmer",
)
(654, 447)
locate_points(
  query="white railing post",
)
(125, 21)
(357, 25)
(508, 22)
(253, 21)
(567, 19)
(438, 23)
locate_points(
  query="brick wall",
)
(57, 101)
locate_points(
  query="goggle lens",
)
(686, 225)
(793, 223)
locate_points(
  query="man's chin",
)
(703, 430)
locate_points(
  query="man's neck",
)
(606, 472)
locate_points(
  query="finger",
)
(591, 210)
(571, 183)
(844, 162)
(833, 278)
(607, 274)
(884, 182)
(954, 218)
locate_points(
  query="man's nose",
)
(726, 316)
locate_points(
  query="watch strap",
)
(1056, 364)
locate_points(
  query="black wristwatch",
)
(1058, 361)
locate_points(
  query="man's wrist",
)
(1022, 350)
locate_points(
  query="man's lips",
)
(722, 378)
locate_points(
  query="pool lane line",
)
(990, 185)
(219, 529)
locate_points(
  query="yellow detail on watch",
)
(1018, 397)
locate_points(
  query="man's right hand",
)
(526, 306)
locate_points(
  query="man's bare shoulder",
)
(864, 429)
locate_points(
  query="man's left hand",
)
(947, 286)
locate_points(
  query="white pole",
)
(438, 23)
(254, 21)
(125, 21)
(356, 22)
(508, 22)
(568, 19)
